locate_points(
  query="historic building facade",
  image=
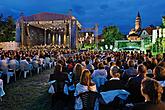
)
(134, 33)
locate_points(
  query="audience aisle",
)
(28, 94)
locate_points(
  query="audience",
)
(114, 83)
(134, 84)
(84, 85)
(152, 92)
(96, 71)
(130, 72)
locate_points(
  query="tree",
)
(111, 34)
(1, 25)
(8, 30)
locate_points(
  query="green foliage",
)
(111, 34)
(159, 45)
(89, 46)
(7, 29)
(147, 40)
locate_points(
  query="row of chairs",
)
(7, 74)
(24, 69)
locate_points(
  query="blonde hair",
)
(85, 78)
(77, 70)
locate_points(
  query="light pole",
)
(96, 35)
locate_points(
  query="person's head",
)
(105, 62)
(115, 72)
(85, 78)
(162, 64)
(78, 68)
(96, 60)
(163, 56)
(100, 65)
(159, 72)
(58, 68)
(87, 62)
(131, 63)
(90, 67)
(154, 61)
(142, 70)
(151, 90)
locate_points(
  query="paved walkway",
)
(28, 94)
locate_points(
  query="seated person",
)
(152, 91)
(115, 82)
(134, 85)
(84, 85)
(159, 75)
(60, 78)
(58, 74)
(130, 72)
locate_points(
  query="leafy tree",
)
(111, 34)
(1, 25)
(7, 28)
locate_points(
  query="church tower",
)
(138, 22)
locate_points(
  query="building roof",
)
(149, 30)
(45, 16)
(133, 34)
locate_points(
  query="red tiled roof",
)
(45, 16)
(149, 30)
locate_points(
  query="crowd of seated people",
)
(18, 64)
(126, 78)
(117, 77)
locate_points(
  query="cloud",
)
(104, 12)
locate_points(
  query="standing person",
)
(152, 91)
(84, 85)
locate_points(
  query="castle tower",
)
(138, 22)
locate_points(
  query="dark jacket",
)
(149, 106)
(112, 85)
(134, 87)
(60, 76)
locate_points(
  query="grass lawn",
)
(28, 94)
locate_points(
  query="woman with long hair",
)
(84, 85)
(77, 70)
(152, 92)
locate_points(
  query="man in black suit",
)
(114, 83)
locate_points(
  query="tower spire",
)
(138, 15)
(138, 22)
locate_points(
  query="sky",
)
(121, 13)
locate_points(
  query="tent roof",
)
(45, 16)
